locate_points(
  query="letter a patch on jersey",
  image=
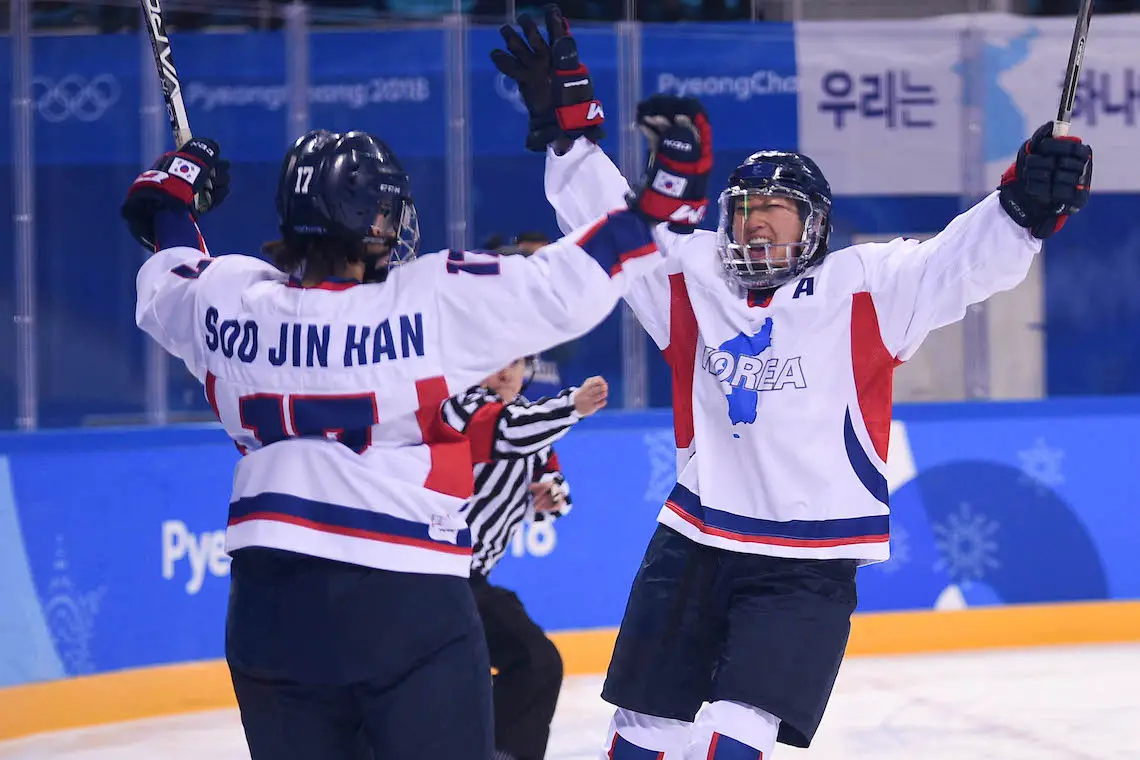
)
(805, 287)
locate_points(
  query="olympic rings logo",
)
(74, 97)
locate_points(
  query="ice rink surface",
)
(1060, 703)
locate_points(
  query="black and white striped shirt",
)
(511, 445)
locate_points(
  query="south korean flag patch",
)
(669, 184)
(183, 169)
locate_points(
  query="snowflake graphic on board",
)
(1041, 465)
(900, 551)
(967, 545)
(662, 449)
(71, 615)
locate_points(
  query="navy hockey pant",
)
(704, 624)
(323, 654)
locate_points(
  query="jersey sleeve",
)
(526, 428)
(474, 414)
(917, 287)
(167, 288)
(519, 429)
(170, 283)
(499, 308)
(584, 183)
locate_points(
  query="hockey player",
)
(782, 353)
(349, 603)
(517, 479)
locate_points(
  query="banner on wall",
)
(884, 104)
(1025, 60)
(111, 543)
(87, 90)
(879, 103)
(880, 106)
(744, 75)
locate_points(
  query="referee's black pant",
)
(529, 671)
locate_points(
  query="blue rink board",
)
(111, 539)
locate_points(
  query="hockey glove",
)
(553, 83)
(196, 169)
(1048, 181)
(675, 184)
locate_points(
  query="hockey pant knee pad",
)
(732, 731)
(636, 736)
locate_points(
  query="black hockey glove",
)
(553, 83)
(195, 169)
(674, 188)
(1048, 181)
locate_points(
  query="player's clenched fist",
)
(591, 396)
(1048, 181)
(674, 188)
(195, 169)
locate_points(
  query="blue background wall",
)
(753, 80)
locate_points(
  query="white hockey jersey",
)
(782, 409)
(333, 393)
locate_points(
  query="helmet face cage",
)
(768, 265)
(404, 242)
(767, 174)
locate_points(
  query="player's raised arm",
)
(565, 118)
(503, 307)
(581, 181)
(161, 215)
(565, 122)
(673, 190)
(918, 287)
(517, 306)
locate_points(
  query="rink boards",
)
(1013, 524)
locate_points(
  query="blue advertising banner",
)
(901, 115)
(111, 542)
(507, 196)
(744, 75)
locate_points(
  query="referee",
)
(516, 477)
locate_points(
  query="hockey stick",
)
(1073, 70)
(167, 74)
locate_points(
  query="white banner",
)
(1025, 62)
(881, 102)
(879, 105)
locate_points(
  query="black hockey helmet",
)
(349, 188)
(781, 173)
